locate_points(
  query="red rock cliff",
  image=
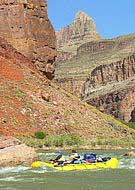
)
(25, 24)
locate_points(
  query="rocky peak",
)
(80, 15)
(83, 17)
(86, 23)
(82, 30)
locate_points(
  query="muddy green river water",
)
(25, 178)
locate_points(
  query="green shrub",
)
(100, 142)
(72, 139)
(131, 125)
(59, 141)
(40, 135)
(93, 143)
(20, 93)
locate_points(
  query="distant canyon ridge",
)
(99, 71)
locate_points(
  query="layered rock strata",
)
(120, 43)
(101, 68)
(111, 88)
(63, 56)
(120, 104)
(26, 26)
(112, 73)
(72, 74)
(82, 30)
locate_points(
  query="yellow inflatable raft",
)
(112, 163)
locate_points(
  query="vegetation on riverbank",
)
(131, 125)
(70, 141)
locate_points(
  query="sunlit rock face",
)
(102, 73)
(82, 30)
(111, 88)
(25, 24)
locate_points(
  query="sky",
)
(112, 17)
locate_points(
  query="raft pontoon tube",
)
(112, 163)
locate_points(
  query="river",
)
(25, 178)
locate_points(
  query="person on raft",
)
(59, 160)
(75, 157)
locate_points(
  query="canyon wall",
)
(25, 24)
(119, 43)
(96, 47)
(100, 70)
(111, 88)
(120, 104)
(112, 73)
(63, 56)
(72, 74)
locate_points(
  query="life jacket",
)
(75, 156)
(105, 159)
(62, 159)
(89, 160)
(90, 156)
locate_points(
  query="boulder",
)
(14, 153)
(6, 141)
(129, 154)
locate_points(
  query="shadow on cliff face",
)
(132, 116)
